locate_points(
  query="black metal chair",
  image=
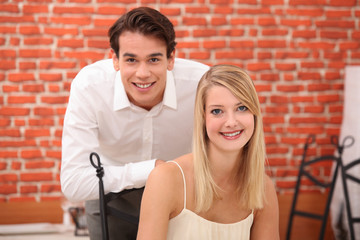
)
(105, 209)
(345, 176)
(305, 172)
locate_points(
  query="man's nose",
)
(143, 71)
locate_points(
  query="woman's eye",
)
(216, 111)
(242, 108)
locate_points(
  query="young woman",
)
(220, 190)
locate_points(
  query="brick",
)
(15, 165)
(41, 122)
(309, 75)
(274, 32)
(92, 55)
(234, 54)
(7, 189)
(333, 34)
(38, 41)
(30, 9)
(9, 133)
(304, 34)
(218, 21)
(7, 64)
(349, 45)
(36, 176)
(14, 111)
(73, 10)
(242, 44)
(7, 53)
(29, 30)
(285, 66)
(290, 88)
(28, 189)
(57, 64)
(317, 87)
(331, 13)
(312, 12)
(39, 164)
(31, 153)
(335, 23)
(62, 31)
(272, 43)
(79, 21)
(340, 3)
(295, 23)
(194, 21)
(242, 21)
(21, 77)
(55, 100)
(37, 133)
(27, 65)
(9, 8)
(266, 21)
(200, 55)
(214, 44)
(307, 3)
(8, 177)
(50, 77)
(21, 99)
(258, 66)
(16, 19)
(35, 53)
(48, 188)
(35, 88)
(98, 44)
(71, 43)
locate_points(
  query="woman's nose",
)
(231, 120)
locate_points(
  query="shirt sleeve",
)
(80, 137)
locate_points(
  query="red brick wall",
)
(295, 50)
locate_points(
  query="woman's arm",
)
(266, 220)
(159, 202)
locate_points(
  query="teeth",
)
(143, 85)
(231, 134)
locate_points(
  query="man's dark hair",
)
(146, 21)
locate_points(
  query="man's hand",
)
(158, 162)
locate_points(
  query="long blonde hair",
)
(251, 171)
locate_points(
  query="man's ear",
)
(171, 61)
(115, 60)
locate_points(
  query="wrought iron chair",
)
(304, 172)
(105, 209)
(345, 176)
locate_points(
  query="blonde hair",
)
(251, 170)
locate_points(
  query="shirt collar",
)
(121, 100)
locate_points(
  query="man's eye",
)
(242, 108)
(154, 60)
(216, 111)
(130, 60)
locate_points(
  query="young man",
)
(135, 111)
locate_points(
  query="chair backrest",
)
(305, 171)
(345, 176)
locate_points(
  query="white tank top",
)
(190, 226)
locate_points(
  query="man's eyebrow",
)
(149, 56)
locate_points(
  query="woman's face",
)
(229, 124)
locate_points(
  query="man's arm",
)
(80, 138)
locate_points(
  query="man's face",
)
(143, 64)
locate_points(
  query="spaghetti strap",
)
(183, 175)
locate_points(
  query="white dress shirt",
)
(100, 118)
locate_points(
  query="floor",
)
(39, 231)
